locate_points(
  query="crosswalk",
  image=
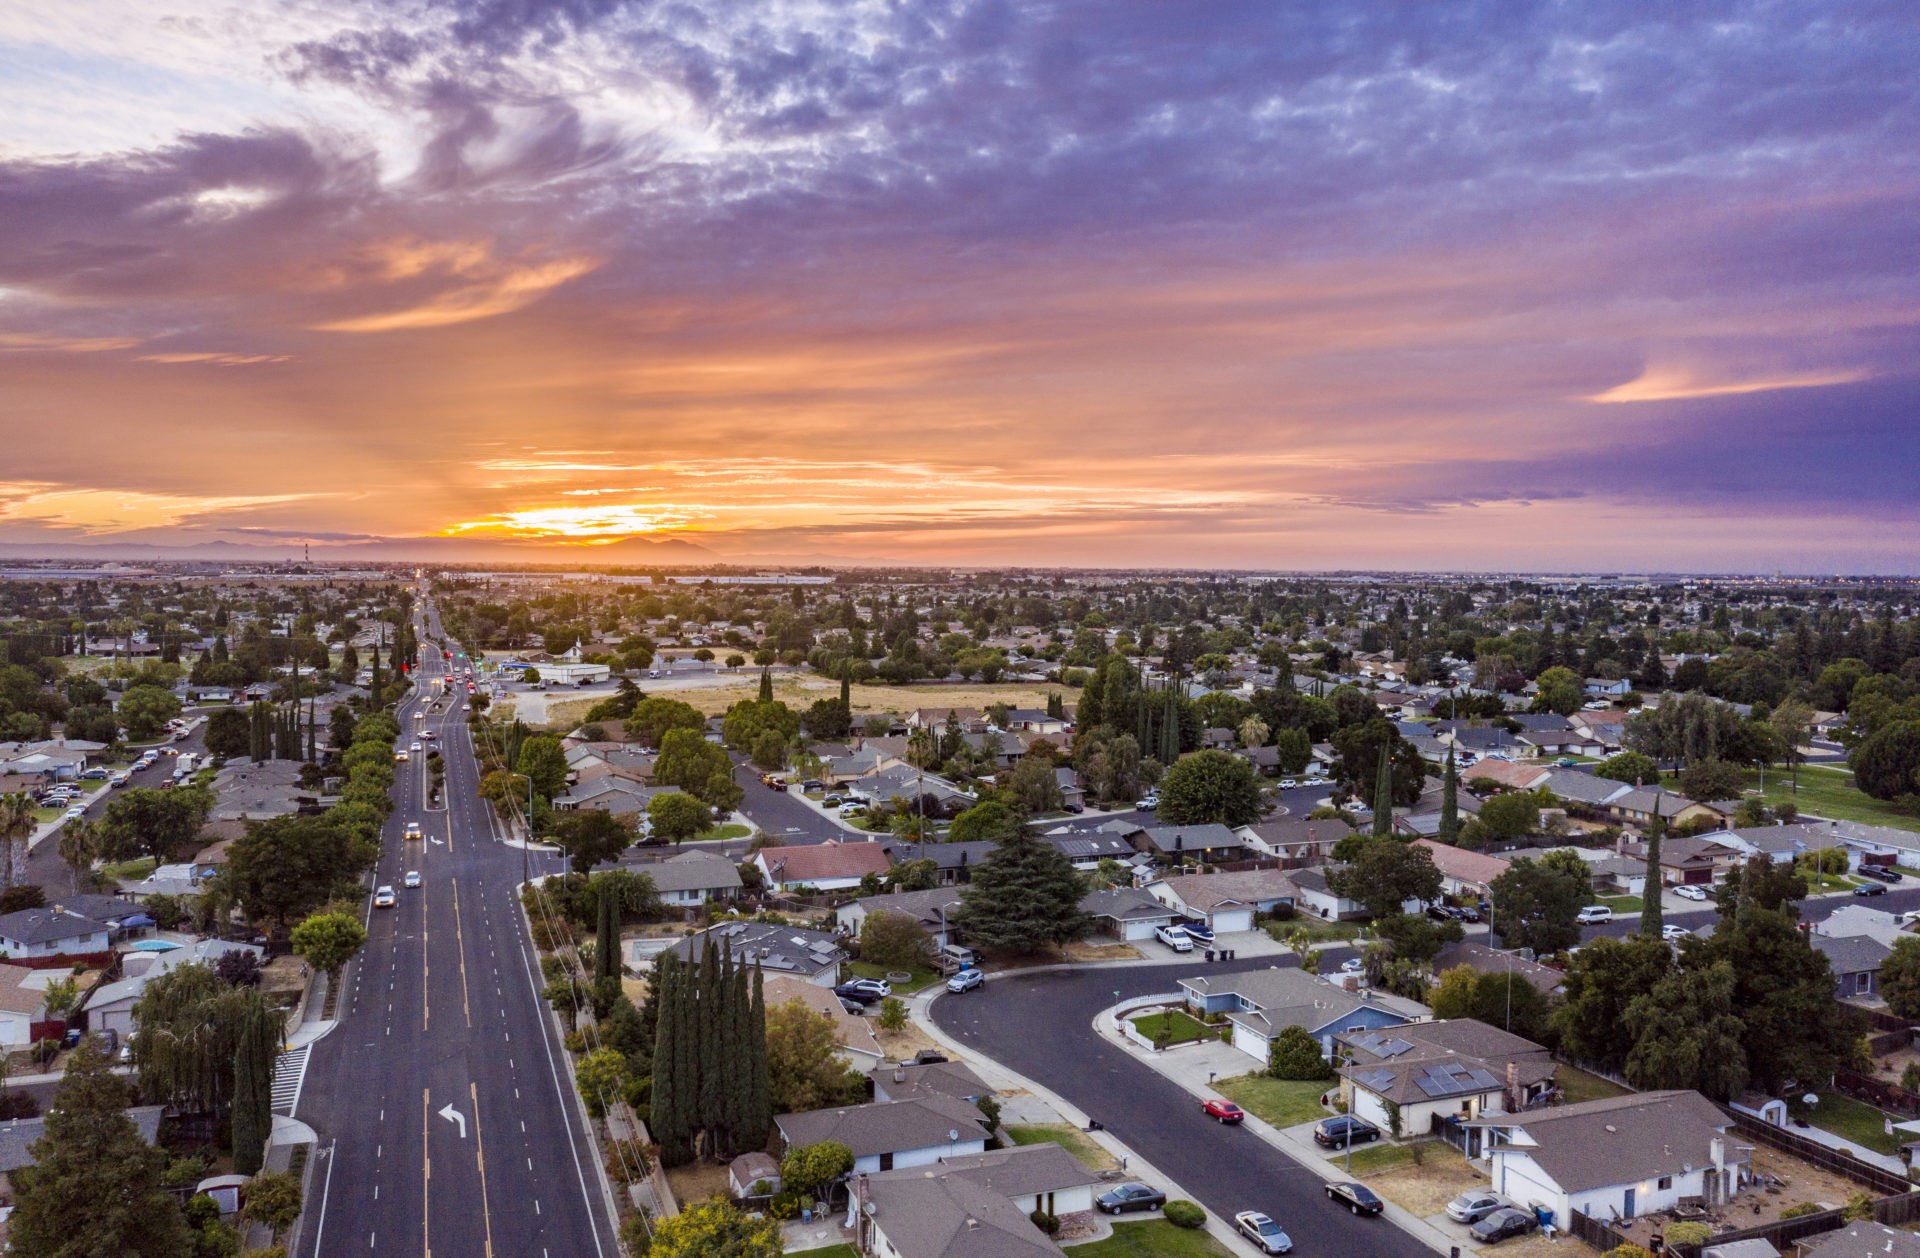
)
(289, 1072)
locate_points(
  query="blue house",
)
(1259, 1004)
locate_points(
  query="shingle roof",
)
(1619, 1140)
(19, 1135)
(935, 1078)
(47, 925)
(929, 1215)
(1851, 954)
(1865, 1239)
(1202, 838)
(784, 949)
(832, 859)
(887, 1126)
(1124, 904)
(693, 871)
(1461, 864)
(1206, 891)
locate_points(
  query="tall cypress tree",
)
(739, 1058)
(606, 946)
(1450, 801)
(1651, 919)
(666, 1116)
(766, 686)
(253, 1058)
(711, 1095)
(1383, 794)
(757, 1114)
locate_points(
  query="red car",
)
(1225, 1111)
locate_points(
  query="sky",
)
(1476, 285)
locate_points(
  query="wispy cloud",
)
(106, 511)
(43, 343)
(473, 285)
(1668, 384)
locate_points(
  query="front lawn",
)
(1372, 1159)
(830, 1251)
(1830, 793)
(1578, 1085)
(730, 830)
(1318, 930)
(922, 976)
(1156, 1238)
(130, 871)
(1623, 903)
(1179, 1028)
(1068, 1137)
(1281, 1102)
(1850, 1119)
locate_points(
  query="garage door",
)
(1250, 1042)
(1228, 920)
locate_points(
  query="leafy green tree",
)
(687, 760)
(601, 1076)
(228, 733)
(328, 941)
(1793, 723)
(1412, 937)
(543, 759)
(1295, 1054)
(592, 836)
(273, 1201)
(808, 1169)
(1357, 764)
(1762, 883)
(804, 1068)
(254, 1054)
(1534, 906)
(1510, 816)
(1450, 802)
(770, 750)
(652, 718)
(715, 1229)
(94, 1186)
(1709, 779)
(1653, 913)
(1024, 896)
(1210, 787)
(1900, 977)
(1384, 873)
(1887, 764)
(160, 824)
(1559, 691)
(145, 710)
(893, 940)
(1686, 1034)
(677, 817)
(288, 866)
(990, 820)
(1032, 786)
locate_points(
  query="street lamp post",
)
(526, 846)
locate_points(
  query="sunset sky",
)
(1460, 285)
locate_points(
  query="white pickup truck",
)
(1174, 938)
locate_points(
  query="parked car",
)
(1263, 1232)
(1885, 873)
(1148, 803)
(833, 801)
(1174, 938)
(1466, 915)
(1340, 1130)
(864, 990)
(1871, 888)
(384, 898)
(1671, 931)
(1439, 913)
(1475, 1204)
(813, 784)
(1226, 1111)
(1689, 891)
(1124, 1197)
(1355, 1197)
(1502, 1224)
(966, 980)
(1592, 914)
(852, 808)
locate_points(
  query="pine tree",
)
(846, 690)
(1024, 895)
(739, 1058)
(1170, 731)
(1383, 795)
(1651, 919)
(253, 1060)
(1450, 801)
(766, 686)
(758, 1111)
(666, 1113)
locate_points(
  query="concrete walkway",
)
(1884, 1161)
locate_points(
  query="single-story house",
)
(853, 1034)
(109, 1006)
(939, 1078)
(1441, 1072)
(49, 932)
(885, 1135)
(1126, 913)
(1086, 849)
(1856, 961)
(1178, 844)
(1463, 872)
(692, 879)
(933, 911)
(966, 1209)
(612, 794)
(1224, 902)
(1519, 777)
(812, 955)
(1482, 959)
(1072, 794)
(952, 862)
(1608, 688)
(828, 866)
(1637, 807)
(1693, 861)
(1294, 838)
(1619, 875)
(23, 1002)
(1865, 1239)
(1570, 786)
(1616, 1158)
(1259, 1003)
(1313, 895)
(1858, 919)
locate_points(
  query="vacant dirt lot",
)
(1427, 1189)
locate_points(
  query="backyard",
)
(1577, 1085)
(1843, 1116)
(1280, 1102)
(1175, 1026)
(1155, 1238)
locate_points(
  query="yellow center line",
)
(460, 947)
(480, 1156)
(426, 1178)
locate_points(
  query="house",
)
(749, 1170)
(1463, 872)
(1086, 849)
(1218, 738)
(1857, 919)
(885, 1135)
(932, 911)
(1637, 806)
(1175, 845)
(620, 796)
(812, 955)
(1439, 1073)
(1036, 721)
(970, 720)
(109, 1006)
(939, 1078)
(1519, 777)
(1485, 960)
(35, 934)
(1224, 902)
(1692, 861)
(853, 1035)
(1608, 688)
(692, 879)
(1294, 838)
(1619, 875)
(963, 1209)
(1073, 796)
(1567, 742)
(1865, 1239)
(828, 866)
(1126, 913)
(23, 1002)
(1570, 786)
(952, 862)
(1313, 895)
(1259, 1003)
(1617, 1158)
(1856, 961)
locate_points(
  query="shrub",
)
(1859, 1206)
(1184, 1214)
(1688, 1233)
(1048, 1223)
(893, 1013)
(1798, 1209)
(784, 1206)
(1296, 1055)
(1626, 1251)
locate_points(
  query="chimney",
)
(1513, 1086)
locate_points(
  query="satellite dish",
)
(1811, 1098)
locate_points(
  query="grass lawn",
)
(1181, 1028)
(1068, 1137)
(1155, 1238)
(731, 830)
(1623, 903)
(831, 1251)
(1831, 793)
(1317, 930)
(1282, 1102)
(1581, 1086)
(922, 976)
(129, 870)
(1374, 1158)
(1843, 1116)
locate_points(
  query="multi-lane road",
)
(442, 1101)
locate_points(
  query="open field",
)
(1831, 793)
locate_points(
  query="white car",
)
(1690, 892)
(1670, 931)
(75, 812)
(1593, 914)
(852, 808)
(383, 898)
(416, 747)
(412, 879)
(399, 757)
(1263, 1231)
(1287, 784)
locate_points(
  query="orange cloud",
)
(484, 285)
(116, 510)
(1668, 384)
(65, 344)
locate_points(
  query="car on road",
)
(1124, 1197)
(413, 830)
(1263, 1231)
(412, 880)
(1871, 888)
(399, 757)
(78, 810)
(383, 898)
(1223, 1110)
(1689, 891)
(1355, 1197)
(1148, 803)
(1287, 784)
(118, 779)
(1671, 931)
(1502, 1224)
(1343, 1129)
(1592, 914)
(966, 980)
(863, 991)
(417, 747)
(1175, 938)
(1565, 762)
(1476, 1204)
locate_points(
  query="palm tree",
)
(79, 848)
(17, 822)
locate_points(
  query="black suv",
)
(1342, 1130)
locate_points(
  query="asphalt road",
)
(1041, 1026)
(446, 1118)
(44, 866)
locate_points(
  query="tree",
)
(1534, 906)
(1685, 1034)
(592, 836)
(273, 1201)
(687, 760)
(804, 1070)
(1032, 786)
(715, 1229)
(652, 718)
(1887, 764)
(1024, 896)
(145, 710)
(328, 941)
(1496, 998)
(1761, 883)
(1711, 778)
(990, 820)
(809, 1169)
(1652, 911)
(1559, 691)
(1628, 766)
(1295, 1054)
(601, 1075)
(1385, 873)
(228, 733)
(79, 848)
(1900, 977)
(1358, 748)
(677, 817)
(254, 1055)
(1450, 802)
(893, 940)
(1412, 937)
(543, 759)
(1453, 993)
(1210, 787)
(160, 824)
(770, 750)
(18, 821)
(1510, 816)
(1793, 722)
(286, 867)
(94, 1185)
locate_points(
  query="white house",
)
(828, 866)
(976, 1204)
(693, 878)
(48, 932)
(1225, 902)
(1126, 913)
(1617, 1158)
(21, 1005)
(1438, 1072)
(1314, 897)
(887, 1135)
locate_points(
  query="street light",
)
(526, 847)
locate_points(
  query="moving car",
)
(1475, 1204)
(416, 747)
(1263, 1232)
(78, 810)
(1342, 1129)
(383, 898)
(1871, 888)
(1355, 1197)
(1502, 1224)
(413, 829)
(1124, 1197)
(400, 757)
(1226, 1111)
(1593, 913)
(412, 879)
(966, 980)
(1690, 892)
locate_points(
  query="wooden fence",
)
(1865, 1174)
(1884, 1021)
(1598, 1234)
(1877, 1092)
(1780, 1234)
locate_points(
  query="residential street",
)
(446, 1115)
